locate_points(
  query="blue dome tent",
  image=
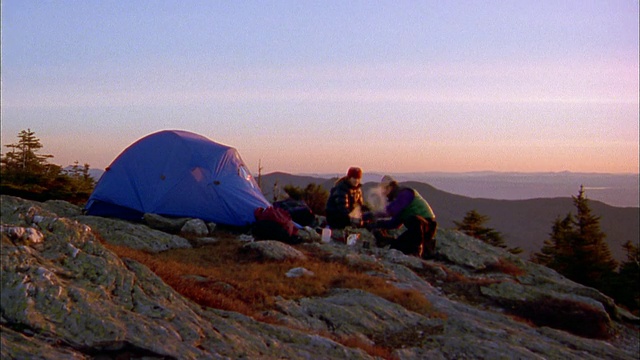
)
(179, 174)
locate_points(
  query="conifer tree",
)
(28, 174)
(80, 179)
(23, 163)
(473, 225)
(577, 248)
(592, 250)
(557, 250)
(627, 290)
(314, 195)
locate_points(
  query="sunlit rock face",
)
(65, 296)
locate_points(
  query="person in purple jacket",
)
(406, 207)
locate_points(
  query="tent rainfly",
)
(178, 174)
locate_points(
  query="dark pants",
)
(338, 221)
(419, 239)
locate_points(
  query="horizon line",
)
(469, 172)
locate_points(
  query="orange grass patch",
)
(373, 350)
(506, 267)
(219, 276)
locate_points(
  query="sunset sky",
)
(318, 86)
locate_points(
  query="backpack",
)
(300, 213)
(274, 223)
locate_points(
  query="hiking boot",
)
(429, 247)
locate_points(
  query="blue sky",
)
(318, 86)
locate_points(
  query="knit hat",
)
(354, 172)
(386, 180)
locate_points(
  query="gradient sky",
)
(318, 86)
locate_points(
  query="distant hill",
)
(96, 173)
(523, 223)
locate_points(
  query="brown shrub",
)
(373, 350)
(506, 267)
(575, 317)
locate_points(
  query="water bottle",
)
(326, 235)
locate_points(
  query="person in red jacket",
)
(344, 198)
(406, 207)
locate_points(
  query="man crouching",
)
(406, 207)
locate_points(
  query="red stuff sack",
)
(274, 224)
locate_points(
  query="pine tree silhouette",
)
(577, 248)
(473, 225)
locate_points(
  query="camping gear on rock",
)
(352, 239)
(299, 210)
(274, 223)
(178, 174)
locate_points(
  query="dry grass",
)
(373, 350)
(506, 267)
(454, 277)
(220, 276)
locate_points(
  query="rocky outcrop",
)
(272, 250)
(65, 296)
